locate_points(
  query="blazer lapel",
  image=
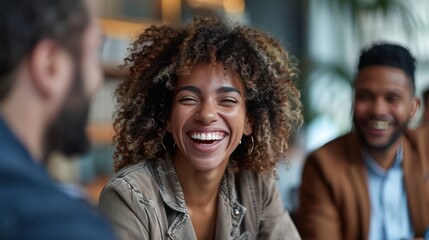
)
(359, 180)
(414, 176)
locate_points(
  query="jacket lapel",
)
(414, 176)
(359, 181)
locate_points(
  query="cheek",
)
(359, 109)
(91, 73)
(67, 74)
(403, 113)
(179, 117)
(236, 118)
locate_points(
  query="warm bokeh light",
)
(234, 6)
(205, 3)
(231, 6)
(121, 29)
(170, 10)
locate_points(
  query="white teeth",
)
(379, 125)
(207, 136)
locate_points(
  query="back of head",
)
(391, 55)
(24, 23)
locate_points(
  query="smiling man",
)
(372, 182)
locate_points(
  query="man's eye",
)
(362, 97)
(393, 99)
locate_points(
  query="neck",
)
(385, 158)
(27, 117)
(200, 188)
(28, 131)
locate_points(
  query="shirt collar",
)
(11, 148)
(9, 140)
(374, 167)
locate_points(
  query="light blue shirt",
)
(389, 218)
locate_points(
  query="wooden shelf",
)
(121, 29)
(101, 133)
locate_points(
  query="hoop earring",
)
(162, 143)
(253, 146)
(163, 146)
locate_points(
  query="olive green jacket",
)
(145, 201)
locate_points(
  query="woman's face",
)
(208, 116)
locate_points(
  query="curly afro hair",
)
(162, 54)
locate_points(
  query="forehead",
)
(211, 75)
(382, 78)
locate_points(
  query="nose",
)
(207, 112)
(379, 107)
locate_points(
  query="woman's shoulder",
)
(137, 178)
(256, 182)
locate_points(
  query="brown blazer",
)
(334, 199)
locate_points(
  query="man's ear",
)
(248, 127)
(51, 68)
(414, 106)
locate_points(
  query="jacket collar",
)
(416, 176)
(168, 183)
(229, 205)
(172, 195)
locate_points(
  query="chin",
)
(207, 165)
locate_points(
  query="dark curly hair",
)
(392, 55)
(162, 54)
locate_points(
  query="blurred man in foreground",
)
(371, 183)
(49, 68)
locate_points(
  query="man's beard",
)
(381, 148)
(67, 134)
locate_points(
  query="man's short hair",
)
(392, 55)
(24, 23)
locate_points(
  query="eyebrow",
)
(189, 88)
(219, 90)
(227, 90)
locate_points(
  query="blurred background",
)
(324, 36)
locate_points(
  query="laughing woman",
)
(203, 117)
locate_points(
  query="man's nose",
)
(379, 107)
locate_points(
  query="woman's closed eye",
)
(188, 100)
(228, 101)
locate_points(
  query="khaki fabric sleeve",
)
(125, 211)
(275, 221)
(317, 216)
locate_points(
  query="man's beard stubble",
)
(381, 148)
(67, 134)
